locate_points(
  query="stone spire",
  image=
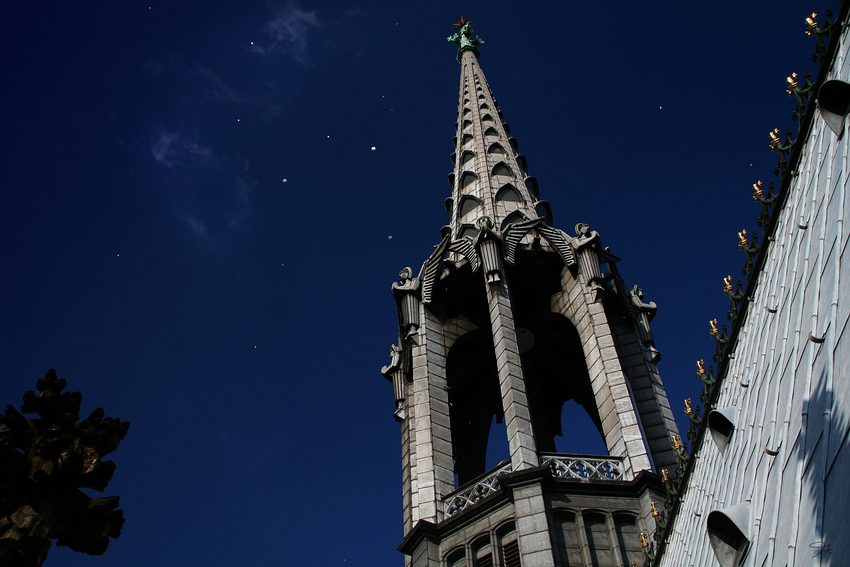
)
(490, 177)
(508, 319)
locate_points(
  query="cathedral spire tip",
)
(465, 38)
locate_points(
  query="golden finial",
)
(677, 442)
(811, 24)
(634, 564)
(774, 138)
(655, 508)
(713, 332)
(742, 239)
(664, 475)
(700, 369)
(757, 192)
(643, 540)
(792, 83)
(727, 287)
(688, 409)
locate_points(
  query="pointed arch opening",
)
(502, 168)
(481, 97)
(487, 118)
(466, 139)
(497, 149)
(466, 111)
(466, 179)
(466, 124)
(474, 401)
(484, 106)
(509, 193)
(516, 216)
(533, 188)
(560, 395)
(491, 132)
(468, 203)
(466, 156)
(467, 230)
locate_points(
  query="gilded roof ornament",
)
(811, 24)
(792, 83)
(774, 139)
(713, 332)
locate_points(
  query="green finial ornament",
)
(465, 38)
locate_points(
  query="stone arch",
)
(502, 168)
(508, 540)
(516, 216)
(509, 193)
(496, 148)
(466, 156)
(474, 399)
(466, 139)
(491, 132)
(484, 106)
(467, 230)
(468, 203)
(456, 557)
(482, 550)
(467, 178)
(627, 533)
(555, 372)
(487, 118)
(599, 543)
(568, 541)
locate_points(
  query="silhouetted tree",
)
(44, 461)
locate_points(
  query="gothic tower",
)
(508, 319)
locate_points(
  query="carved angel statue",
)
(587, 244)
(645, 312)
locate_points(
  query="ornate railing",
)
(476, 491)
(580, 467)
(583, 467)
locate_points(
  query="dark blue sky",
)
(203, 209)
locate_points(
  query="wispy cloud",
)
(288, 31)
(172, 150)
(198, 228)
(216, 88)
(200, 80)
(243, 202)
